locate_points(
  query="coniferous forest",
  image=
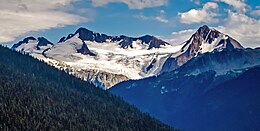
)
(35, 96)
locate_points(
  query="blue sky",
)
(171, 20)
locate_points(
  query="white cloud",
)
(160, 18)
(195, 1)
(255, 13)
(179, 37)
(206, 14)
(133, 4)
(242, 28)
(239, 5)
(19, 17)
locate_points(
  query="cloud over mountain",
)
(242, 27)
(238, 5)
(133, 4)
(205, 14)
(19, 17)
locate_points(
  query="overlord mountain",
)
(107, 60)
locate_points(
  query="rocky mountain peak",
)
(43, 41)
(24, 41)
(152, 41)
(203, 30)
(88, 35)
(85, 34)
(206, 39)
(203, 40)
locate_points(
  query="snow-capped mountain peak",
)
(33, 46)
(39, 42)
(24, 41)
(207, 40)
(203, 40)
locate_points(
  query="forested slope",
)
(36, 96)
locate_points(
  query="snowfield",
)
(112, 58)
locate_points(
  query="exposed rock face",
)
(85, 51)
(100, 78)
(43, 42)
(153, 41)
(62, 39)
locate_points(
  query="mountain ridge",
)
(125, 57)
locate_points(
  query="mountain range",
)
(209, 82)
(107, 60)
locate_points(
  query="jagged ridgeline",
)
(35, 96)
(108, 60)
